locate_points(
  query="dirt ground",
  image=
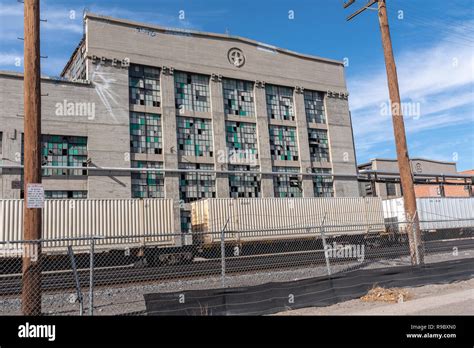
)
(445, 299)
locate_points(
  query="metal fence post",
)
(91, 278)
(223, 253)
(415, 230)
(323, 237)
(76, 279)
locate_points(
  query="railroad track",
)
(129, 274)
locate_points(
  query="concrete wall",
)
(207, 54)
(341, 145)
(419, 166)
(108, 131)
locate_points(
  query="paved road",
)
(446, 299)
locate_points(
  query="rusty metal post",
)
(31, 291)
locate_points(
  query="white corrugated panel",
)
(95, 217)
(253, 219)
(434, 213)
(394, 214)
(445, 213)
(11, 219)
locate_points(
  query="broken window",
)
(144, 82)
(238, 97)
(193, 185)
(391, 189)
(318, 145)
(147, 184)
(192, 92)
(283, 143)
(194, 136)
(314, 106)
(280, 102)
(61, 150)
(145, 133)
(65, 194)
(241, 139)
(287, 185)
(243, 185)
(323, 185)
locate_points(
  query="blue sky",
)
(434, 48)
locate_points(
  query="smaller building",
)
(432, 179)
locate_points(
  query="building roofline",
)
(52, 79)
(364, 164)
(168, 30)
(411, 159)
(71, 58)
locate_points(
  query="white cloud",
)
(56, 18)
(449, 151)
(440, 78)
(439, 103)
(10, 10)
(158, 18)
(421, 73)
(65, 20)
(63, 29)
(10, 58)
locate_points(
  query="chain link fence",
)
(109, 275)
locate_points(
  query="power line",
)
(448, 27)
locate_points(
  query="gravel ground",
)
(125, 299)
(445, 299)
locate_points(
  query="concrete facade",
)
(107, 140)
(110, 45)
(419, 166)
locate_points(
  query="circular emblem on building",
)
(236, 57)
(419, 168)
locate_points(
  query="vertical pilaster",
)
(303, 143)
(263, 139)
(341, 145)
(170, 146)
(219, 136)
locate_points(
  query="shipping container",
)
(78, 218)
(267, 219)
(434, 213)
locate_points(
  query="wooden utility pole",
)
(406, 178)
(31, 292)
